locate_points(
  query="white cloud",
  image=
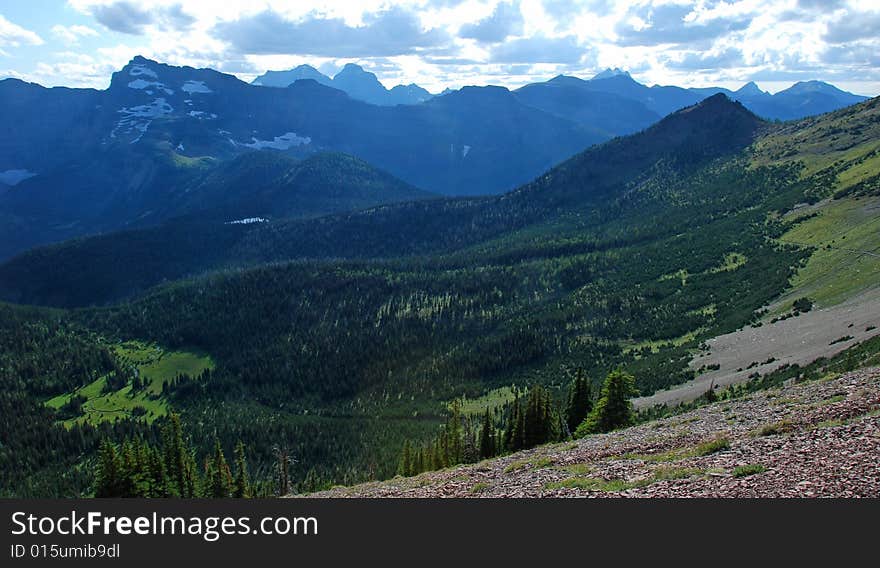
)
(72, 34)
(436, 43)
(13, 35)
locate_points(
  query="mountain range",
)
(353, 80)
(282, 320)
(611, 100)
(88, 161)
(76, 162)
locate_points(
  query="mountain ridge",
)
(683, 141)
(353, 80)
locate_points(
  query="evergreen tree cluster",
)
(525, 423)
(613, 410)
(137, 468)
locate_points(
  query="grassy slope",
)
(154, 365)
(837, 157)
(841, 153)
(845, 238)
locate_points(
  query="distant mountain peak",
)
(353, 68)
(609, 73)
(750, 89)
(810, 86)
(286, 78)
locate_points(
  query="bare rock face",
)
(814, 439)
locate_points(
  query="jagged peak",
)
(610, 73)
(750, 88)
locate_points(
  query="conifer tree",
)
(218, 480)
(242, 486)
(158, 484)
(613, 409)
(283, 461)
(420, 461)
(469, 451)
(405, 468)
(453, 435)
(580, 401)
(179, 461)
(539, 418)
(487, 437)
(108, 471)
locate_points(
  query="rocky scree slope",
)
(814, 439)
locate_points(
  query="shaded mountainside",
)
(574, 192)
(87, 161)
(102, 160)
(160, 185)
(270, 184)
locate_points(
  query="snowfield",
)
(248, 221)
(283, 142)
(139, 118)
(195, 87)
(141, 69)
(141, 84)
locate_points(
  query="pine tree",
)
(580, 401)
(158, 483)
(454, 435)
(108, 471)
(283, 461)
(539, 418)
(613, 409)
(218, 478)
(242, 486)
(420, 461)
(487, 437)
(180, 462)
(405, 468)
(516, 424)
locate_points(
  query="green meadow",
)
(154, 365)
(845, 236)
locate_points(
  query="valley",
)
(322, 303)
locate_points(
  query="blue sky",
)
(439, 43)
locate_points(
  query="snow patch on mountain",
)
(139, 118)
(159, 107)
(196, 87)
(202, 115)
(141, 84)
(141, 69)
(248, 221)
(15, 177)
(283, 142)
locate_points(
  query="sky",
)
(451, 43)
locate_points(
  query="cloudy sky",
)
(440, 43)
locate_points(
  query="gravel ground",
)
(814, 439)
(764, 349)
